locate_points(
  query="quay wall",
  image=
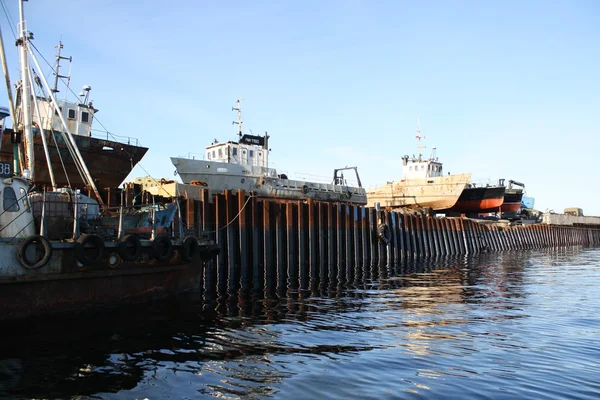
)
(569, 220)
(296, 243)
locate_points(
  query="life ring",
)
(304, 189)
(162, 248)
(86, 242)
(190, 249)
(130, 247)
(383, 233)
(22, 252)
(343, 197)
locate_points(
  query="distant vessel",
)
(244, 165)
(484, 199)
(423, 185)
(109, 158)
(512, 197)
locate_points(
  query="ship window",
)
(234, 151)
(422, 167)
(85, 116)
(213, 154)
(410, 168)
(251, 153)
(209, 155)
(10, 199)
(71, 113)
(220, 152)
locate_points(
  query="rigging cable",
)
(75, 94)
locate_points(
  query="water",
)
(501, 326)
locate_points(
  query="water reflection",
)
(420, 316)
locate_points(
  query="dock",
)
(297, 244)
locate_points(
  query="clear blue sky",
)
(505, 89)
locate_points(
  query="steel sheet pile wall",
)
(291, 244)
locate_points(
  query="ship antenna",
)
(239, 122)
(56, 73)
(419, 137)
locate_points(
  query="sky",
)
(505, 89)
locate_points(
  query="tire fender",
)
(22, 252)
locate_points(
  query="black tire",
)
(130, 248)
(343, 197)
(162, 248)
(304, 189)
(383, 233)
(190, 249)
(209, 251)
(82, 246)
(22, 252)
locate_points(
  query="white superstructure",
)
(244, 165)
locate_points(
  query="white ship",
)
(244, 165)
(423, 185)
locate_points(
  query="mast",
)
(239, 122)
(57, 74)
(419, 137)
(22, 42)
(11, 103)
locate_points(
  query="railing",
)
(98, 134)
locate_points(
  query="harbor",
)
(317, 201)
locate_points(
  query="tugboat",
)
(59, 252)
(245, 165)
(423, 185)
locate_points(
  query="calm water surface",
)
(499, 326)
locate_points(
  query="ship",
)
(423, 185)
(513, 197)
(479, 199)
(244, 165)
(109, 157)
(62, 251)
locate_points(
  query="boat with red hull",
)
(512, 197)
(512, 200)
(479, 199)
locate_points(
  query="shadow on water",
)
(123, 349)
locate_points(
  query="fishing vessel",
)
(244, 165)
(59, 250)
(109, 157)
(423, 185)
(479, 199)
(513, 197)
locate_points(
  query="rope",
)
(234, 218)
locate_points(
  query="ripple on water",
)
(500, 326)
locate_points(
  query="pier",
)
(298, 244)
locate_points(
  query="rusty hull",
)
(108, 168)
(76, 288)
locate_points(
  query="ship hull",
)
(436, 193)
(109, 162)
(62, 286)
(262, 182)
(512, 200)
(480, 200)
